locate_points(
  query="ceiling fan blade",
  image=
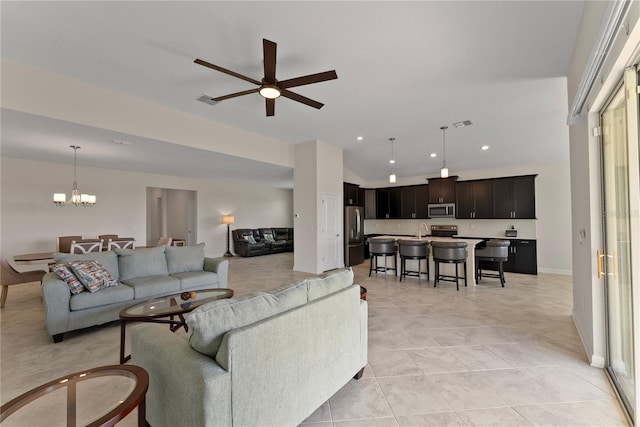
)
(233, 95)
(271, 107)
(300, 98)
(269, 55)
(229, 72)
(307, 80)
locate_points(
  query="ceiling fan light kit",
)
(269, 87)
(270, 91)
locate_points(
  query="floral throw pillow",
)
(65, 273)
(250, 239)
(92, 275)
(269, 237)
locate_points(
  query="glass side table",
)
(100, 396)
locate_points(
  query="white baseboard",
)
(555, 271)
(595, 360)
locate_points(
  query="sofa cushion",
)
(151, 286)
(109, 260)
(142, 262)
(209, 322)
(319, 287)
(112, 295)
(288, 296)
(197, 279)
(181, 259)
(92, 275)
(65, 273)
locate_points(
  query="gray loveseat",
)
(141, 273)
(267, 359)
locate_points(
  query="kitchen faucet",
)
(420, 228)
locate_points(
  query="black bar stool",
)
(413, 249)
(380, 246)
(450, 253)
(495, 251)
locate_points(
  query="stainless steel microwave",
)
(442, 210)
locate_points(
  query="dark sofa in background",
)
(282, 241)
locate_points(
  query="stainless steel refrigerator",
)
(354, 235)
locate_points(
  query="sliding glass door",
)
(619, 123)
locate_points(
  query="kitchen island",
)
(448, 269)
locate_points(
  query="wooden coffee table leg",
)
(123, 331)
(184, 323)
(3, 298)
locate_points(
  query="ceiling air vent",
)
(463, 123)
(207, 99)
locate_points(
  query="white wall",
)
(318, 170)
(30, 222)
(36, 91)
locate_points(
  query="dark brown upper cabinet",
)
(474, 199)
(442, 190)
(514, 197)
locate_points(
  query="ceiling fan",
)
(270, 88)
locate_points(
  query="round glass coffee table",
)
(166, 309)
(100, 396)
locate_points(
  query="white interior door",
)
(331, 233)
(192, 211)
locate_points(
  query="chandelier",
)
(77, 199)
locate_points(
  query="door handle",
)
(605, 271)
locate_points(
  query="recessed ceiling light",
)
(360, 138)
(392, 161)
(433, 155)
(485, 147)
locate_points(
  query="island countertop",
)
(469, 242)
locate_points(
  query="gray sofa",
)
(141, 273)
(267, 359)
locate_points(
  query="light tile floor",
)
(485, 355)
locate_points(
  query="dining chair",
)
(164, 241)
(85, 246)
(121, 243)
(14, 274)
(63, 243)
(105, 238)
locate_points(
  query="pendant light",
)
(444, 171)
(392, 177)
(77, 199)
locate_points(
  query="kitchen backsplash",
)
(467, 228)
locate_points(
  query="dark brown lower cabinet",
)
(523, 258)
